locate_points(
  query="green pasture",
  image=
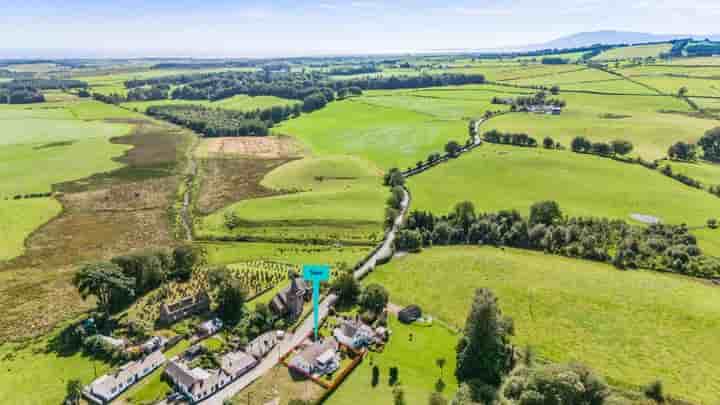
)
(631, 326)
(415, 359)
(498, 177)
(642, 122)
(585, 80)
(336, 198)
(671, 85)
(637, 51)
(240, 102)
(387, 136)
(18, 218)
(38, 377)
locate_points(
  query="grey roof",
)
(233, 362)
(104, 385)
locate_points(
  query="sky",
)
(250, 28)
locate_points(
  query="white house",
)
(109, 386)
(198, 383)
(210, 327)
(354, 334)
(317, 359)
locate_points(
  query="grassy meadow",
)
(18, 218)
(387, 136)
(635, 118)
(633, 327)
(583, 185)
(327, 198)
(630, 52)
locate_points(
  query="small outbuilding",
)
(410, 314)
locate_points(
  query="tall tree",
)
(107, 283)
(231, 301)
(484, 353)
(464, 214)
(374, 298)
(73, 392)
(346, 288)
(710, 143)
(545, 212)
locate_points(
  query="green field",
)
(651, 131)
(415, 361)
(629, 326)
(630, 52)
(48, 143)
(585, 80)
(38, 377)
(387, 136)
(18, 218)
(240, 102)
(497, 177)
(329, 198)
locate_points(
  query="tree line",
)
(659, 247)
(214, 122)
(508, 138)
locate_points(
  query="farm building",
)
(109, 386)
(199, 383)
(171, 313)
(318, 358)
(289, 302)
(410, 314)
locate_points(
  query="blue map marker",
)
(316, 273)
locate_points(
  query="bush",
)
(394, 376)
(654, 391)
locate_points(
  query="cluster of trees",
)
(25, 95)
(345, 92)
(554, 60)
(354, 70)
(372, 299)
(219, 122)
(507, 138)
(688, 181)
(677, 48)
(410, 82)
(159, 92)
(556, 384)
(683, 151)
(46, 84)
(710, 144)
(549, 143)
(621, 147)
(116, 283)
(703, 49)
(660, 247)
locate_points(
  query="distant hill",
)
(609, 37)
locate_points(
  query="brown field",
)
(266, 147)
(227, 180)
(232, 168)
(278, 383)
(104, 215)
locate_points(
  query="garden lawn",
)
(387, 136)
(651, 131)
(329, 198)
(496, 177)
(631, 326)
(18, 218)
(415, 361)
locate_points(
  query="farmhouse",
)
(289, 302)
(317, 359)
(171, 313)
(198, 383)
(354, 334)
(109, 386)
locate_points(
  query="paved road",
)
(386, 249)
